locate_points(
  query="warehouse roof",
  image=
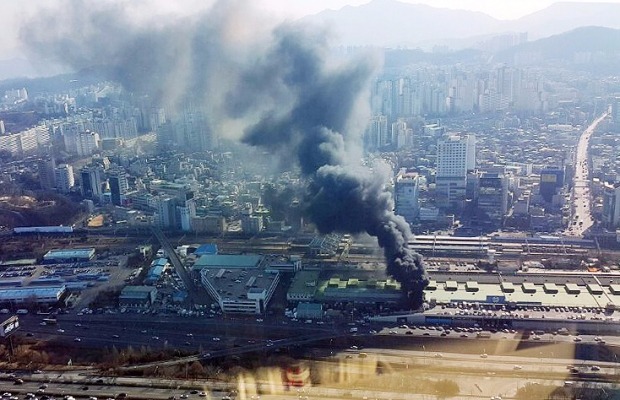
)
(70, 253)
(227, 261)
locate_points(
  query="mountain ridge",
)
(392, 23)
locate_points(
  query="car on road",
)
(77, 339)
(115, 336)
(216, 339)
(183, 396)
(60, 331)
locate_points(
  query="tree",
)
(195, 369)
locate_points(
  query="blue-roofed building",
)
(69, 255)
(41, 294)
(206, 249)
(179, 296)
(154, 274)
(160, 261)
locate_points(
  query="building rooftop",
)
(358, 289)
(227, 261)
(209, 248)
(548, 294)
(70, 253)
(136, 292)
(304, 283)
(34, 291)
(236, 283)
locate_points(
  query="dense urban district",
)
(144, 254)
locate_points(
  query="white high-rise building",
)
(377, 134)
(64, 178)
(187, 212)
(456, 155)
(406, 193)
(611, 206)
(401, 135)
(87, 143)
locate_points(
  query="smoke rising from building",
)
(277, 88)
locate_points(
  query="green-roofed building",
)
(303, 287)
(358, 290)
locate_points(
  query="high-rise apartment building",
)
(64, 178)
(46, 168)
(87, 143)
(377, 134)
(401, 135)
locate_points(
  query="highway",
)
(581, 208)
(369, 373)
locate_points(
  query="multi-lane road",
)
(581, 214)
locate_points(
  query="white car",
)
(77, 339)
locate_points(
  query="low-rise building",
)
(137, 296)
(69, 255)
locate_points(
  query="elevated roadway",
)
(581, 209)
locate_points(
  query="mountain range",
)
(391, 23)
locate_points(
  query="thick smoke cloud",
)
(277, 84)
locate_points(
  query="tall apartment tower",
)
(456, 155)
(377, 134)
(87, 143)
(47, 173)
(64, 178)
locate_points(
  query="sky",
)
(14, 12)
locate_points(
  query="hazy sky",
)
(501, 9)
(14, 12)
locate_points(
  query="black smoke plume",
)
(277, 86)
